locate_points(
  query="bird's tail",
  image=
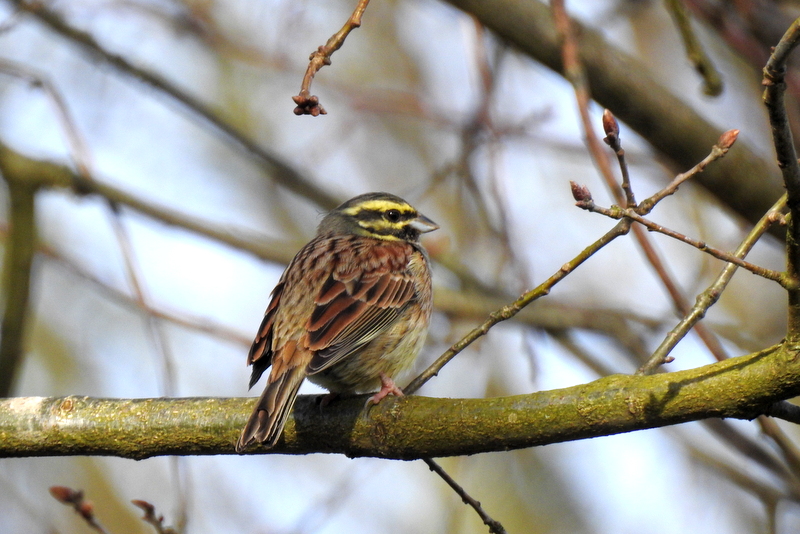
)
(269, 415)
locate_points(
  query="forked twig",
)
(576, 74)
(308, 104)
(150, 517)
(710, 296)
(510, 310)
(83, 508)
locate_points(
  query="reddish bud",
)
(144, 505)
(727, 139)
(580, 192)
(610, 124)
(65, 495)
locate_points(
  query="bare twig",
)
(694, 50)
(150, 517)
(775, 87)
(508, 311)
(494, 526)
(83, 508)
(710, 296)
(618, 213)
(611, 127)
(784, 410)
(725, 142)
(576, 74)
(308, 104)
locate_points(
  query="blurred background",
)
(162, 295)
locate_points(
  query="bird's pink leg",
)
(387, 387)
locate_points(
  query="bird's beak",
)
(423, 224)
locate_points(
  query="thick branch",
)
(406, 428)
(623, 84)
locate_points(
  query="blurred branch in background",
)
(17, 266)
(279, 170)
(623, 84)
(712, 81)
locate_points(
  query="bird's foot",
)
(388, 387)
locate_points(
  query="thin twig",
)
(279, 170)
(784, 410)
(308, 104)
(510, 310)
(157, 521)
(576, 74)
(494, 525)
(710, 296)
(611, 127)
(619, 213)
(725, 142)
(775, 87)
(83, 508)
(712, 81)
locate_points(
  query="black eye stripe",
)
(374, 215)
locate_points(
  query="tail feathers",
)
(269, 415)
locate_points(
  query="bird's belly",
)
(391, 353)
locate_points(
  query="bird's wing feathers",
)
(353, 307)
(269, 416)
(350, 312)
(260, 355)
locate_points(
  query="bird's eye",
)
(392, 216)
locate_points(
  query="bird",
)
(350, 312)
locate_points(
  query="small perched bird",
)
(349, 313)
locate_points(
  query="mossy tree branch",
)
(406, 428)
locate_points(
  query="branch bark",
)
(407, 428)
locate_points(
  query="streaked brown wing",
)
(351, 312)
(260, 355)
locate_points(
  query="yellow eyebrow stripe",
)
(378, 205)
